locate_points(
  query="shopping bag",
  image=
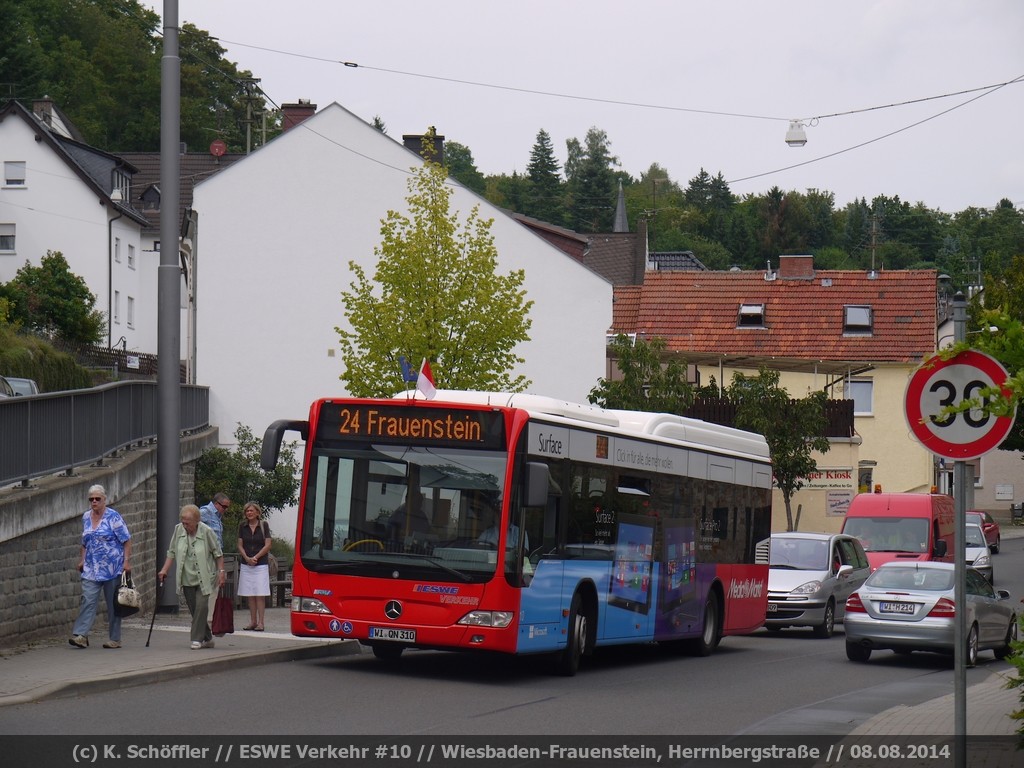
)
(128, 600)
(223, 615)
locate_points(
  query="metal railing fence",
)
(55, 432)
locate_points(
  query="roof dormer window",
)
(858, 319)
(750, 316)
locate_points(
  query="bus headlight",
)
(311, 605)
(487, 618)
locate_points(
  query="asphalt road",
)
(766, 683)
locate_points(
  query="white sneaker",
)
(196, 646)
(207, 644)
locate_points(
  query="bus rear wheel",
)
(568, 662)
(711, 634)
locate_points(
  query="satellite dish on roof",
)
(218, 147)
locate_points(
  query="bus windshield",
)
(370, 507)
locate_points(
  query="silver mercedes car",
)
(909, 606)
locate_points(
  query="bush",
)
(237, 473)
(30, 357)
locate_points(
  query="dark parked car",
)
(910, 606)
(810, 575)
(988, 525)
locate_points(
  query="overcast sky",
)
(685, 84)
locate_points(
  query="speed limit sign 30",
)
(941, 384)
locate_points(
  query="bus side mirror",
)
(271, 448)
(537, 477)
(940, 548)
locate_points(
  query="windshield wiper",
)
(329, 567)
(434, 561)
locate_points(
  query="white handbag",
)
(127, 595)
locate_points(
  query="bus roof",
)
(666, 426)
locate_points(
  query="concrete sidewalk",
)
(52, 669)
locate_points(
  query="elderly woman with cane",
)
(199, 573)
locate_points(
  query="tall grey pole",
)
(960, 570)
(169, 297)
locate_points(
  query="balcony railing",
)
(55, 432)
(838, 415)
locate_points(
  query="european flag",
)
(408, 374)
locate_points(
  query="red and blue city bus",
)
(523, 524)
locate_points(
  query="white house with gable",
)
(59, 194)
(275, 234)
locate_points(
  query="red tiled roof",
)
(697, 314)
(626, 307)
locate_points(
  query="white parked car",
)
(810, 576)
(978, 554)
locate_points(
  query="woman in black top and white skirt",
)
(254, 571)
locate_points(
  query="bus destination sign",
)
(447, 427)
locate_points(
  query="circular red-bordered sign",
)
(939, 384)
(218, 147)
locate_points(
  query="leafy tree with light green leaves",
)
(53, 302)
(238, 474)
(648, 382)
(794, 429)
(436, 294)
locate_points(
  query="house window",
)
(751, 316)
(857, 319)
(14, 173)
(6, 238)
(974, 467)
(117, 307)
(861, 392)
(117, 249)
(131, 256)
(130, 309)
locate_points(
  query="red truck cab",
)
(902, 526)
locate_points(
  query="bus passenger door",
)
(541, 597)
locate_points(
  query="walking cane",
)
(159, 590)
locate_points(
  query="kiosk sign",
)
(940, 384)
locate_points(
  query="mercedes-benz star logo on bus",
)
(393, 609)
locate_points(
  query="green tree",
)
(793, 428)
(648, 381)
(238, 474)
(100, 62)
(440, 298)
(544, 196)
(592, 182)
(53, 302)
(461, 166)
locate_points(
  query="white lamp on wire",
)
(795, 136)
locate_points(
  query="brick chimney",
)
(293, 114)
(796, 267)
(416, 142)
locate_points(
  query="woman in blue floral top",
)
(106, 552)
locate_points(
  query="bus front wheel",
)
(387, 651)
(576, 642)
